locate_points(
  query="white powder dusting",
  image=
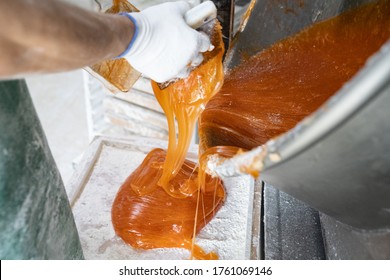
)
(227, 234)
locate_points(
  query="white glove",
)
(164, 46)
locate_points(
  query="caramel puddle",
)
(145, 216)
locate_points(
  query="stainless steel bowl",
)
(338, 159)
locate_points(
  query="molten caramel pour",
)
(164, 202)
(274, 90)
(184, 100)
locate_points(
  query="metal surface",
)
(338, 159)
(292, 230)
(271, 21)
(344, 242)
(225, 15)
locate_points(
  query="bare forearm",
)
(48, 35)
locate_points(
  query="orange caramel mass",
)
(275, 89)
(146, 217)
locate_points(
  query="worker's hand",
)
(164, 46)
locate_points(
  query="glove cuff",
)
(135, 35)
(141, 36)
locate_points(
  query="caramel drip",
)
(119, 6)
(274, 90)
(117, 74)
(183, 101)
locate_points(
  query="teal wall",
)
(36, 221)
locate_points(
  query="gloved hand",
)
(164, 46)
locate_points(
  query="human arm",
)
(49, 36)
(52, 36)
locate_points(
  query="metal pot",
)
(338, 159)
